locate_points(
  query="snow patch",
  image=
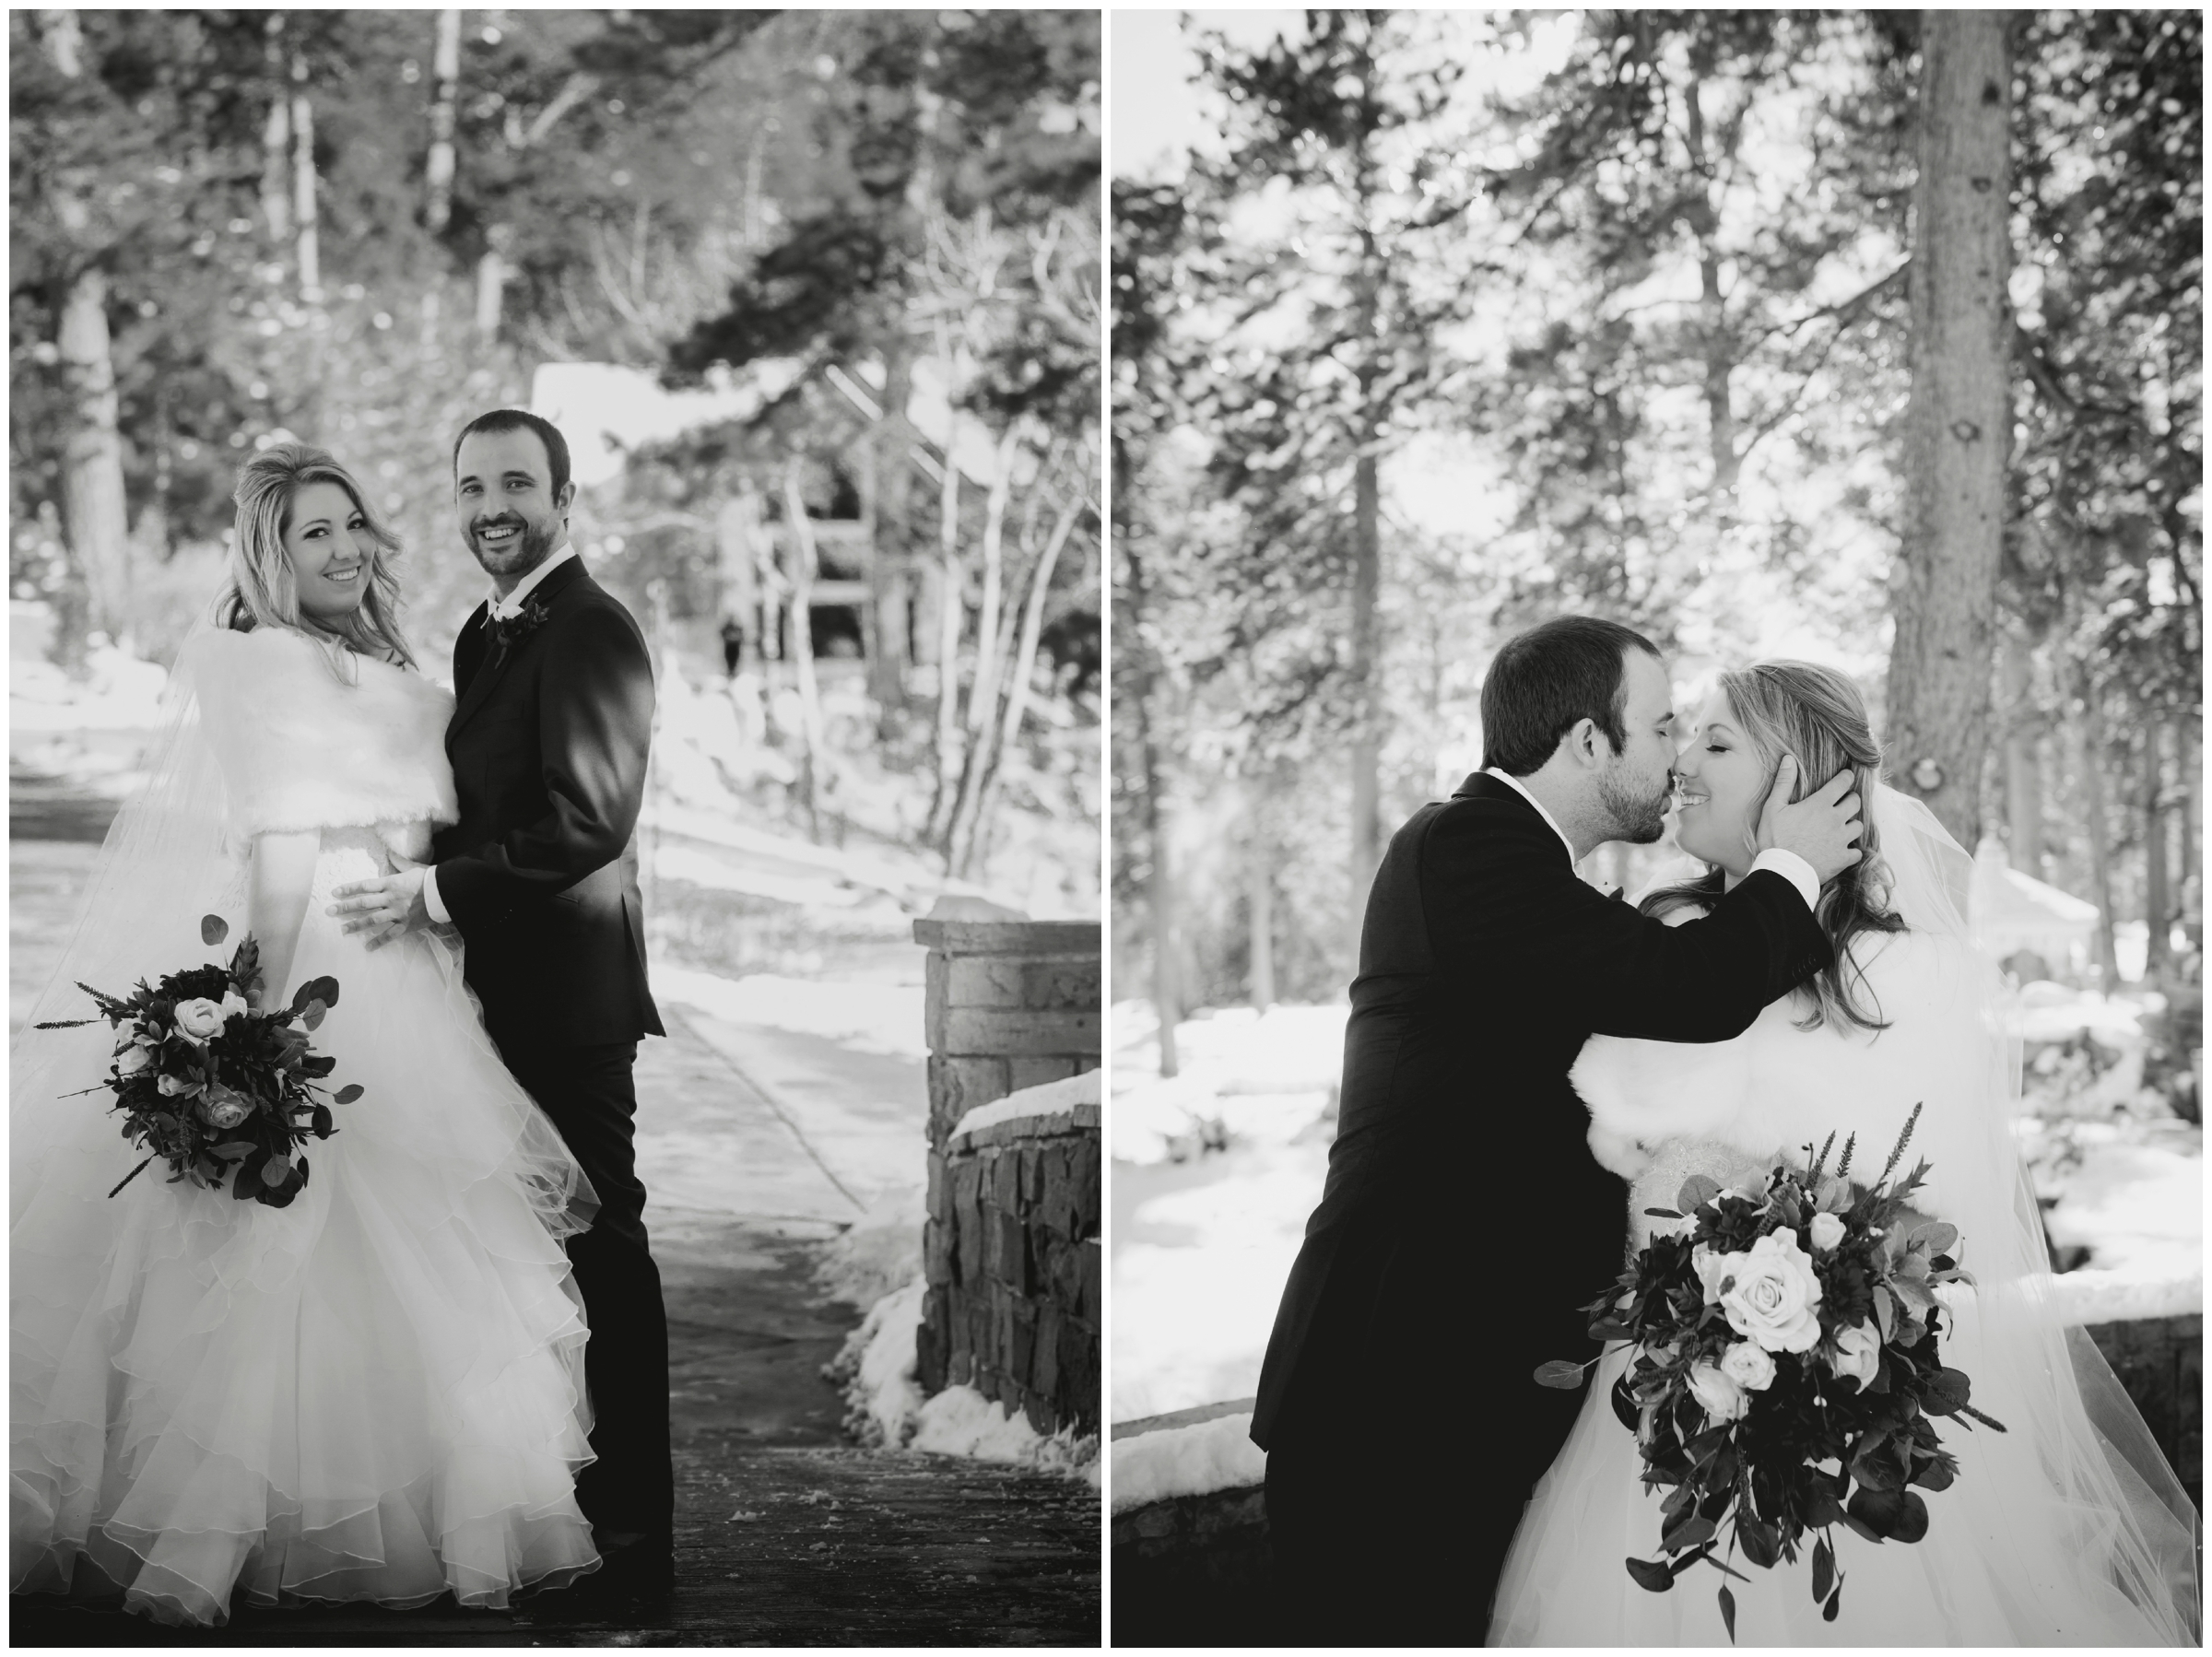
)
(885, 1018)
(1047, 1098)
(961, 1421)
(876, 1254)
(2090, 1296)
(876, 1366)
(1186, 1460)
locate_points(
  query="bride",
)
(2068, 1529)
(377, 1392)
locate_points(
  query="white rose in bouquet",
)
(1770, 1294)
(1749, 1365)
(234, 1005)
(1723, 1399)
(1858, 1354)
(175, 1085)
(1828, 1231)
(200, 1018)
(134, 1059)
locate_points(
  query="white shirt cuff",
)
(441, 916)
(1794, 869)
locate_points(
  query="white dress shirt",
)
(1788, 864)
(495, 609)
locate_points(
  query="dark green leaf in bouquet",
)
(1947, 1392)
(320, 1122)
(1823, 1507)
(1657, 1214)
(1889, 1515)
(353, 1090)
(234, 1149)
(1824, 1570)
(1835, 1601)
(1937, 1473)
(1728, 1612)
(1557, 1373)
(326, 990)
(1625, 1408)
(1691, 1530)
(1934, 1238)
(1697, 1191)
(320, 1063)
(1652, 1574)
(214, 929)
(245, 1181)
(312, 1013)
(1759, 1542)
(1708, 1444)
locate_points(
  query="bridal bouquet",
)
(214, 1089)
(1786, 1376)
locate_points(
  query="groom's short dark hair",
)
(1548, 679)
(521, 419)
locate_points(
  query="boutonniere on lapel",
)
(507, 631)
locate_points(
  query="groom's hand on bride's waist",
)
(1823, 827)
(385, 907)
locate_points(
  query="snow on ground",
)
(885, 1406)
(1186, 1460)
(1244, 1076)
(869, 1017)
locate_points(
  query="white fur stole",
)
(301, 747)
(1776, 1087)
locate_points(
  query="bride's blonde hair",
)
(1817, 714)
(262, 591)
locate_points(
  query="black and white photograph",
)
(557, 768)
(1654, 1034)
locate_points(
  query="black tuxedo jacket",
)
(1464, 1220)
(548, 743)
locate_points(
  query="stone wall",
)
(1011, 1246)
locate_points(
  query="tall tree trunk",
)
(1023, 657)
(92, 494)
(438, 170)
(1959, 422)
(894, 543)
(2090, 759)
(303, 184)
(276, 138)
(982, 696)
(1712, 318)
(1367, 575)
(951, 609)
(2023, 770)
(817, 768)
(1160, 887)
(1259, 897)
(2157, 905)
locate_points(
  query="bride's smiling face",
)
(325, 537)
(1721, 783)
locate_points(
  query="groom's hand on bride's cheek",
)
(1823, 827)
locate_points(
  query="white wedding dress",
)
(2068, 1529)
(377, 1392)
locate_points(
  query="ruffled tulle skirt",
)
(373, 1394)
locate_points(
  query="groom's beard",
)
(520, 556)
(1637, 818)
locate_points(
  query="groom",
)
(549, 744)
(1463, 1221)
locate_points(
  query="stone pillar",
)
(1011, 1246)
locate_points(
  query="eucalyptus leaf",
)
(1728, 1612)
(1651, 1575)
(214, 929)
(1557, 1373)
(347, 1094)
(1697, 1191)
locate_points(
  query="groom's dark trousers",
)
(548, 743)
(1464, 1222)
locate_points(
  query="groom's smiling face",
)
(503, 492)
(1636, 786)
